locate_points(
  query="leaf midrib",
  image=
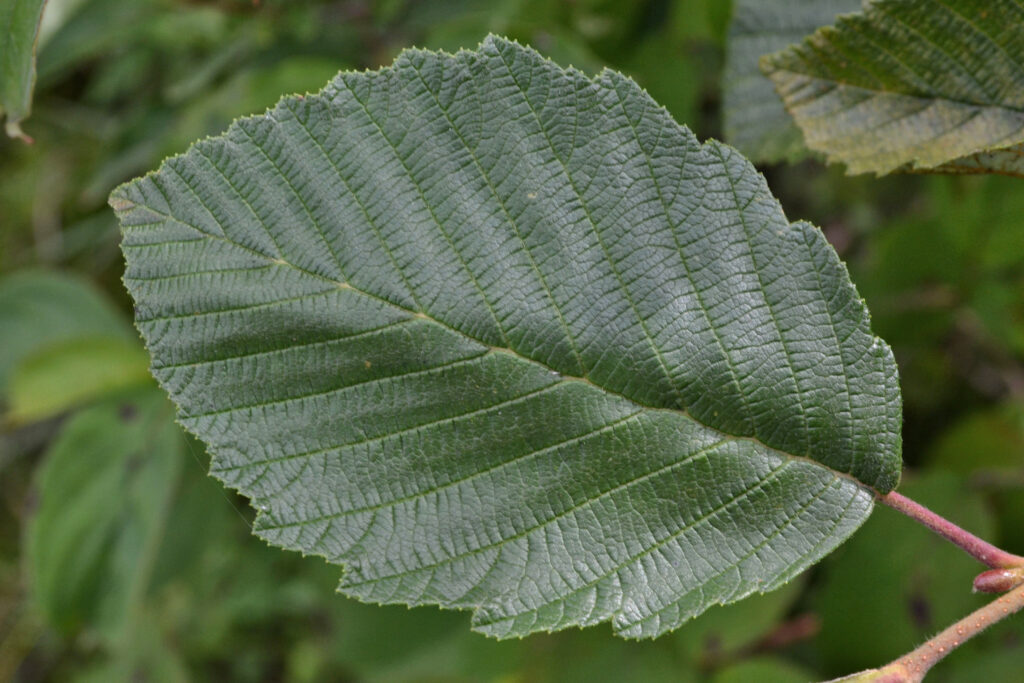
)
(424, 316)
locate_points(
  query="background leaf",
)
(103, 499)
(754, 118)
(912, 85)
(62, 345)
(66, 375)
(645, 406)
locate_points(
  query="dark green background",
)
(120, 560)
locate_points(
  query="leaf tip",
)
(119, 203)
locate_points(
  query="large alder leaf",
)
(494, 335)
(932, 85)
(754, 118)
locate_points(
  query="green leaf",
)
(755, 120)
(62, 376)
(912, 85)
(726, 630)
(592, 655)
(498, 336)
(103, 490)
(40, 310)
(20, 19)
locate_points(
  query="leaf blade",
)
(435, 295)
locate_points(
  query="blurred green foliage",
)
(121, 560)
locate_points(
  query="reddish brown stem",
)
(912, 667)
(982, 550)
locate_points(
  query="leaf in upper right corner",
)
(755, 120)
(912, 85)
(18, 59)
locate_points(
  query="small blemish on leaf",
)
(121, 204)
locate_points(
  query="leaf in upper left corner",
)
(18, 60)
